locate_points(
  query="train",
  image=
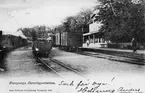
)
(70, 41)
(10, 42)
(42, 46)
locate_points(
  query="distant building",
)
(94, 36)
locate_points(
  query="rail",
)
(68, 67)
(49, 67)
(62, 65)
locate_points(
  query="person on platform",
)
(87, 43)
(134, 45)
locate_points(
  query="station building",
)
(93, 36)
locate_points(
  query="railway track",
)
(52, 69)
(59, 67)
(116, 57)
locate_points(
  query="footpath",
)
(137, 58)
(114, 49)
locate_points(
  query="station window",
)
(103, 40)
(96, 40)
(85, 39)
(99, 40)
(91, 39)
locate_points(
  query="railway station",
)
(67, 46)
(94, 37)
(60, 41)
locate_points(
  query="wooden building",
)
(94, 36)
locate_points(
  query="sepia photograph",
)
(72, 46)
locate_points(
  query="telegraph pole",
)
(0, 35)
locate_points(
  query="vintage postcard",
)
(72, 46)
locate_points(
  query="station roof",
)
(93, 33)
(86, 34)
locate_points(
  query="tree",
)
(83, 18)
(36, 32)
(26, 31)
(77, 23)
(29, 33)
(122, 20)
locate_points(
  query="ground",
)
(21, 66)
(21, 62)
(97, 66)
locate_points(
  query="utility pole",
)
(1, 32)
(0, 36)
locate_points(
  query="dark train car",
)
(12, 42)
(42, 46)
(9, 42)
(69, 40)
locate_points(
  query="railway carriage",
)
(42, 46)
(70, 41)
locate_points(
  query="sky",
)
(27, 13)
